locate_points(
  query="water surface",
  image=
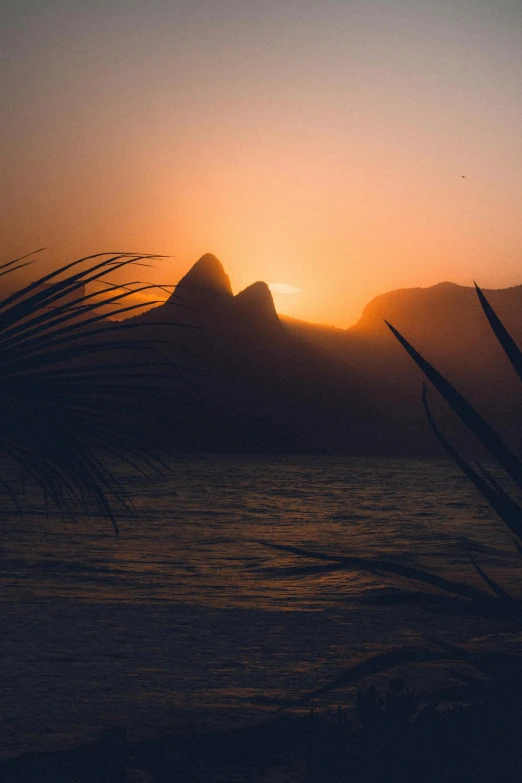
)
(186, 616)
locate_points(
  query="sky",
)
(336, 149)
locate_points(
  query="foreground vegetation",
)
(75, 393)
(397, 737)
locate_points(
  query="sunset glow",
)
(348, 147)
(283, 288)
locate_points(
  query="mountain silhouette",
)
(256, 304)
(249, 380)
(441, 313)
(244, 381)
(207, 274)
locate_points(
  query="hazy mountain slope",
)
(445, 317)
(445, 322)
(253, 385)
(438, 310)
(447, 325)
(254, 381)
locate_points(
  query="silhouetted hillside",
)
(246, 383)
(207, 275)
(328, 338)
(447, 325)
(253, 381)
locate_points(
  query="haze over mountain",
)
(205, 295)
(254, 381)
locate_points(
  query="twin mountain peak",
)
(206, 290)
(205, 293)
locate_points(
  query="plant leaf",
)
(509, 346)
(473, 420)
(507, 509)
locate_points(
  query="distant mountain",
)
(444, 313)
(250, 380)
(207, 275)
(440, 313)
(245, 383)
(256, 305)
(320, 335)
(445, 322)
(204, 297)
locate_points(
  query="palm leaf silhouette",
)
(72, 400)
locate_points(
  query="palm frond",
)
(467, 413)
(378, 566)
(493, 586)
(60, 371)
(500, 501)
(509, 346)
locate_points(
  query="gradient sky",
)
(319, 145)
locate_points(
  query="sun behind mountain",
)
(283, 288)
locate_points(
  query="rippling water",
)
(185, 616)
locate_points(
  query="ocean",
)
(187, 617)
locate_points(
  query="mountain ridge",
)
(207, 273)
(263, 382)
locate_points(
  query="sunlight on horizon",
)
(283, 288)
(351, 147)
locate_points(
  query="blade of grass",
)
(507, 509)
(509, 346)
(473, 420)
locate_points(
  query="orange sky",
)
(319, 145)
